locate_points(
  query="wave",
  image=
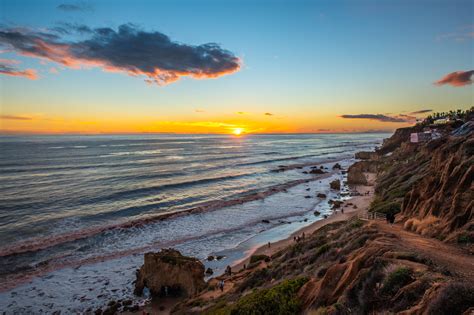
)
(41, 243)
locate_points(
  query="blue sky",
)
(306, 62)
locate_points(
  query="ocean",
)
(78, 212)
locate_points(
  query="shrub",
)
(281, 299)
(255, 258)
(463, 238)
(357, 223)
(396, 280)
(455, 298)
(256, 279)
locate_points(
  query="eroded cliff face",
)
(353, 267)
(431, 185)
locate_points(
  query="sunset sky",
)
(214, 66)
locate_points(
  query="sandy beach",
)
(351, 207)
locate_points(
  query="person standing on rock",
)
(221, 285)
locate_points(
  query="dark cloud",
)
(422, 111)
(379, 117)
(458, 78)
(74, 7)
(13, 117)
(6, 69)
(127, 50)
(268, 114)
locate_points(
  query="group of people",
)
(297, 238)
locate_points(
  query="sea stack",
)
(169, 272)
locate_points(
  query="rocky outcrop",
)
(170, 271)
(366, 155)
(335, 184)
(355, 174)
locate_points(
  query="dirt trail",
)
(452, 258)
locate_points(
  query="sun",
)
(237, 131)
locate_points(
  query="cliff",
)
(421, 265)
(430, 185)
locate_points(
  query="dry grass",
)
(423, 226)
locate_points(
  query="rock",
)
(219, 257)
(265, 221)
(98, 312)
(181, 274)
(366, 155)
(335, 184)
(209, 271)
(210, 258)
(308, 189)
(356, 171)
(317, 171)
(307, 197)
(321, 195)
(337, 166)
(127, 302)
(355, 207)
(305, 172)
(305, 220)
(316, 213)
(336, 204)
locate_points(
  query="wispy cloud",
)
(14, 72)
(458, 78)
(80, 6)
(128, 50)
(421, 111)
(199, 110)
(380, 117)
(459, 35)
(268, 114)
(14, 117)
(241, 113)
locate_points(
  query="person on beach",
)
(268, 244)
(303, 236)
(221, 285)
(387, 217)
(228, 271)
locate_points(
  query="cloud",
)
(14, 117)
(199, 110)
(241, 113)
(128, 50)
(458, 78)
(460, 35)
(379, 117)
(268, 114)
(6, 69)
(421, 111)
(74, 7)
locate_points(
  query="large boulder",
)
(181, 275)
(355, 174)
(335, 184)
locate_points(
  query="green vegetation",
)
(255, 258)
(464, 115)
(357, 223)
(463, 238)
(396, 280)
(280, 299)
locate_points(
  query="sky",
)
(231, 66)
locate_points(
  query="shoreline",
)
(362, 202)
